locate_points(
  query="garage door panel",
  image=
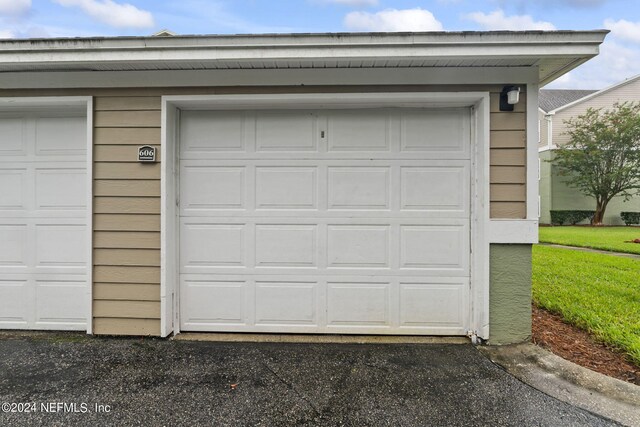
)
(359, 187)
(286, 131)
(432, 304)
(340, 304)
(219, 302)
(286, 187)
(212, 131)
(286, 303)
(11, 313)
(302, 215)
(435, 188)
(213, 245)
(286, 245)
(13, 246)
(363, 131)
(358, 246)
(436, 131)
(361, 304)
(13, 187)
(13, 137)
(434, 247)
(49, 182)
(61, 247)
(213, 187)
(61, 302)
(60, 137)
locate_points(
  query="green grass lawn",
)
(605, 238)
(596, 292)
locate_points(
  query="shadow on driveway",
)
(158, 382)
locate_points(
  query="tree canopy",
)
(602, 158)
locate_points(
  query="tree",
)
(602, 158)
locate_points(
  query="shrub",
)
(572, 217)
(630, 217)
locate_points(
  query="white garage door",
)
(43, 249)
(325, 221)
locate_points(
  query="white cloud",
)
(582, 3)
(623, 29)
(210, 17)
(497, 20)
(351, 3)
(14, 7)
(393, 20)
(7, 34)
(551, 3)
(120, 15)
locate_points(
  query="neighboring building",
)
(555, 107)
(306, 183)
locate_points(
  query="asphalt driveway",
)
(157, 382)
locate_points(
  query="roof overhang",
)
(552, 53)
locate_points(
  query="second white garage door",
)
(325, 221)
(43, 221)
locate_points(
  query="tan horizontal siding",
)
(126, 222)
(126, 170)
(124, 188)
(126, 291)
(508, 139)
(126, 205)
(508, 121)
(119, 153)
(127, 119)
(126, 326)
(127, 309)
(121, 222)
(126, 240)
(508, 175)
(125, 136)
(508, 156)
(126, 274)
(508, 210)
(128, 257)
(119, 103)
(508, 192)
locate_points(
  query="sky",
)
(619, 57)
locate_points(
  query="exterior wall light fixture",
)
(509, 96)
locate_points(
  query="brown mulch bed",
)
(577, 346)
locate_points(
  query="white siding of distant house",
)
(629, 91)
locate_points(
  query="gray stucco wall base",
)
(510, 294)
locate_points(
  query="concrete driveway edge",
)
(571, 383)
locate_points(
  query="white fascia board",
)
(270, 77)
(309, 40)
(513, 231)
(213, 55)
